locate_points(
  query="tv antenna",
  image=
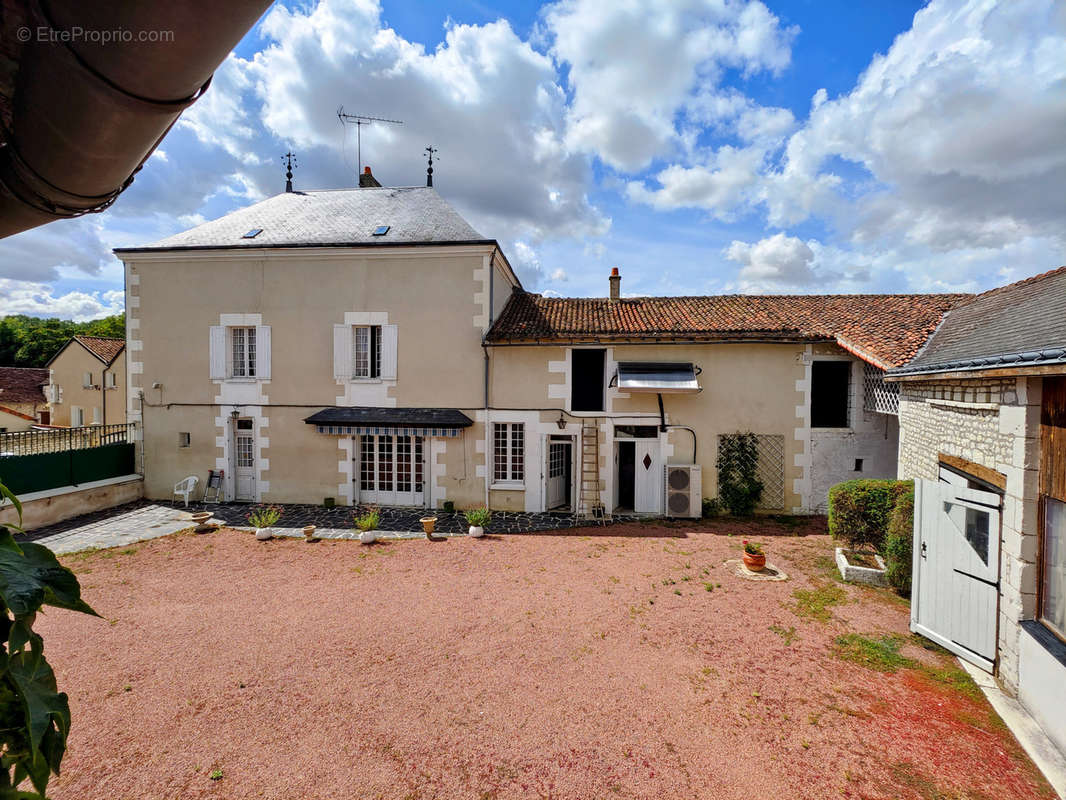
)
(359, 120)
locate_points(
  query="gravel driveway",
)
(630, 662)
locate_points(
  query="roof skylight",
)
(381, 230)
(252, 233)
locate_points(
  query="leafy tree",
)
(30, 341)
(34, 714)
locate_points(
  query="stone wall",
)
(995, 423)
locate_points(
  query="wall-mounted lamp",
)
(561, 422)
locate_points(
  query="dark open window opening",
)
(587, 380)
(627, 473)
(830, 394)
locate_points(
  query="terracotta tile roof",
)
(19, 414)
(22, 384)
(884, 329)
(107, 350)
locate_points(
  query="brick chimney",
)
(367, 180)
(616, 284)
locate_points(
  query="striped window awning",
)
(377, 430)
(366, 421)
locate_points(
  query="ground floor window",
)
(1053, 567)
(508, 451)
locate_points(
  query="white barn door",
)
(955, 583)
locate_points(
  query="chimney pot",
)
(616, 285)
(367, 179)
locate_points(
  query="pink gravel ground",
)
(522, 666)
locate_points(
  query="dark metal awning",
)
(390, 421)
(661, 377)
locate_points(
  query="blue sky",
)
(702, 146)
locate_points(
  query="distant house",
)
(368, 345)
(24, 399)
(983, 422)
(89, 376)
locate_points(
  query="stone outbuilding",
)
(983, 406)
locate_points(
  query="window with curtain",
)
(508, 451)
(242, 352)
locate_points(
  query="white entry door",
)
(955, 581)
(648, 478)
(244, 462)
(390, 470)
(558, 473)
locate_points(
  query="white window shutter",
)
(218, 352)
(388, 352)
(342, 352)
(262, 352)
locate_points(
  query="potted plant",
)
(477, 519)
(367, 523)
(754, 557)
(262, 518)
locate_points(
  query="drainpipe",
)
(103, 396)
(88, 111)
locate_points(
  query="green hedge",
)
(899, 543)
(859, 511)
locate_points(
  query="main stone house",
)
(369, 346)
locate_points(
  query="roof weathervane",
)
(429, 172)
(359, 120)
(289, 159)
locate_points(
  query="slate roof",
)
(105, 349)
(884, 329)
(1022, 324)
(340, 217)
(391, 417)
(22, 384)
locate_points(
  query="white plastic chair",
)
(184, 488)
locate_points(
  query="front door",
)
(390, 470)
(647, 485)
(955, 586)
(244, 466)
(559, 460)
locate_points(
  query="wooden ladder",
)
(591, 507)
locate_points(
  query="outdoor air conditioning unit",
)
(684, 495)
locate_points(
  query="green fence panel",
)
(38, 473)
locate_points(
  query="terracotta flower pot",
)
(309, 533)
(756, 563)
(428, 524)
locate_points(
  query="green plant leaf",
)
(5, 492)
(7, 541)
(34, 578)
(47, 714)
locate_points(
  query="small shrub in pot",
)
(477, 519)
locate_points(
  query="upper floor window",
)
(87, 380)
(242, 352)
(587, 380)
(508, 451)
(366, 351)
(111, 380)
(830, 394)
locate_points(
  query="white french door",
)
(390, 470)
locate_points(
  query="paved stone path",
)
(135, 522)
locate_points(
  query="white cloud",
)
(633, 66)
(559, 276)
(39, 299)
(776, 262)
(960, 124)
